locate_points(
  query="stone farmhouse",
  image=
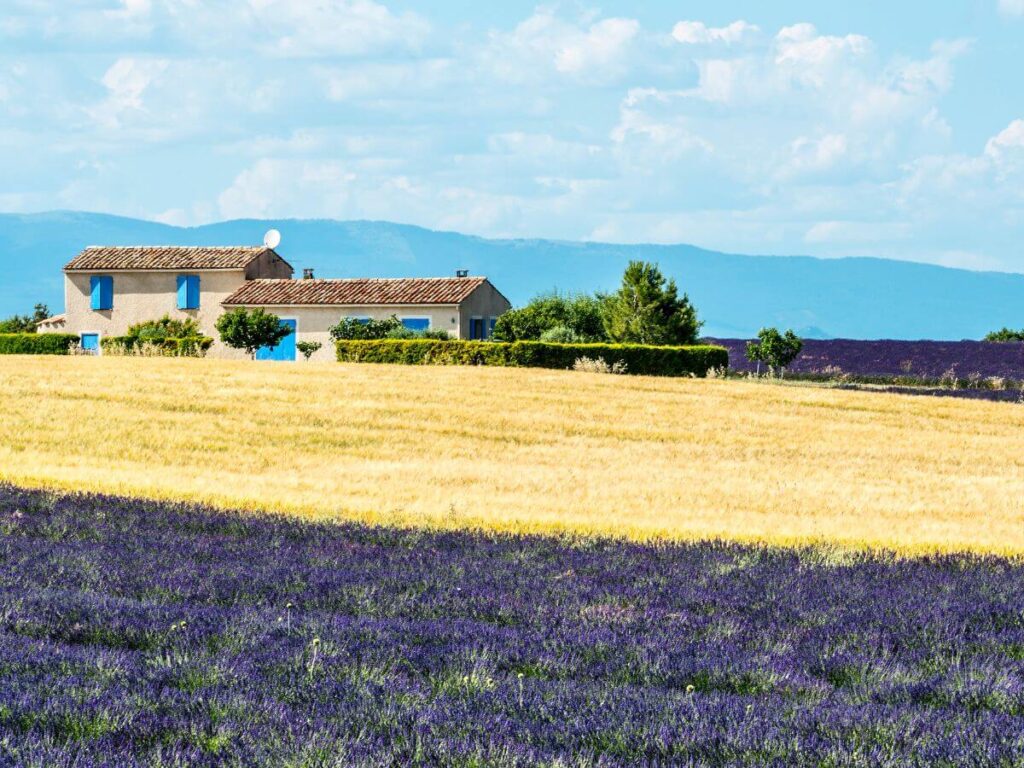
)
(107, 289)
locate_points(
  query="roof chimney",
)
(307, 273)
(462, 273)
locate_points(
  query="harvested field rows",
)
(523, 450)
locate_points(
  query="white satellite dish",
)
(272, 239)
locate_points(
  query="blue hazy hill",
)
(735, 294)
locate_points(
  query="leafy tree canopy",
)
(251, 329)
(577, 317)
(1005, 334)
(647, 309)
(25, 323)
(775, 349)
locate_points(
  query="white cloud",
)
(544, 43)
(814, 155)
(697, 33)
(282, 188)
(1010, 138)
(337, 28)
(126, 81)
(599, 46)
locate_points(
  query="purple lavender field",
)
(139, 634)
(927, 359)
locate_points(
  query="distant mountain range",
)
(859, 298)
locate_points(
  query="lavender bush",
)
(144, 634)
(927, 359)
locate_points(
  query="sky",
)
(892, 129)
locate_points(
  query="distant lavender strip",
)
(929, 359)
(140, 634)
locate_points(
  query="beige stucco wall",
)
(485, 302)
(141, 296)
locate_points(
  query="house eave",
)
(155, 269)
(329, 306)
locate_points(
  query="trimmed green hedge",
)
(36, 343)
(189, 346)
(651, 361)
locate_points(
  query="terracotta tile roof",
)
(164, 257)
(355, 292)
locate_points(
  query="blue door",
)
(91, 343)
(285, 349)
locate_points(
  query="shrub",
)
(356, 328)
(189, 346)
(308, 348)
(37, 343)
(401, 332)
(598, 365)
(644, 360)
(561, 334)
(581, 314)
(165, 328)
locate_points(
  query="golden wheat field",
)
(523, 450)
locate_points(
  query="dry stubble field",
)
(524, 450)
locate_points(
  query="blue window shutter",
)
(490, 326)
(188, 291)
(107, 292)
(416, 323)
(101, 292)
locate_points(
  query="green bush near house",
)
(188, 346)
(638, 359)
(36, 343)
(165, 328)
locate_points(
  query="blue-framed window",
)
(416, 323)
(476, 328)
(490, 326)
(359, 319)
(101, 292)
(188, 291)
(91, 343)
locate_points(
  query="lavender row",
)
(135, 633)
(922, 359)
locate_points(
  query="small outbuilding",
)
(466, 307)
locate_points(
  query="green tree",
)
(577, 316)
(25, 323)
(308, 348)
(1005, 334)
(774, 349)
(251, 329)
(647, 309)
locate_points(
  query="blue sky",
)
(892, 129)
